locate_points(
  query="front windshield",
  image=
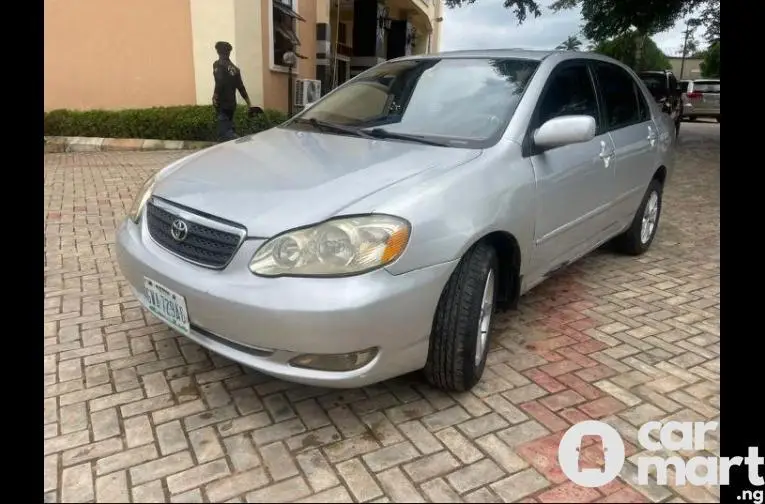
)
(465, 100)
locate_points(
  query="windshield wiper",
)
(383, 133)
(332, 127)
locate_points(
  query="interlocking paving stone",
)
(135, 411)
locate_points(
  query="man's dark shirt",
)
(228, 79)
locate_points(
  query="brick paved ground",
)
(134, 411)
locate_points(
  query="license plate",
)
(166, 305)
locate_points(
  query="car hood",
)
(282, 178)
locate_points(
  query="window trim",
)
(528, 149)
(635, 90)
(271, 46)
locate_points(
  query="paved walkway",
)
(134, 411)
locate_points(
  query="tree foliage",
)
(521, 8)
(710, 66)
(623, 48)
(572, 43)
(710, 19)
(605, 19)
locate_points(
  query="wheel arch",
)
(660, 174)
(508, 253)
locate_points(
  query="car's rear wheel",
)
(459, 341)
(639, 236)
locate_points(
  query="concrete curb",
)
(90, 144)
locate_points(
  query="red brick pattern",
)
(135, 412)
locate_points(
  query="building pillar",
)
(369, 46)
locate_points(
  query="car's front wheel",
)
(459, 341)
(639, 236)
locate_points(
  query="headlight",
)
(337, 247)
(141, 198)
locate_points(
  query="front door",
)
(629, 122)
(574, 182)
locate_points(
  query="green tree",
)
(690, 48)
(623, 48)
(607, 19)
(710, 66)
(572, 43)
(710, 19)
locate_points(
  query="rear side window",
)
(706, 87)
(620, 96)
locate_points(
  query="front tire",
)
(639, 236)
(459, 340)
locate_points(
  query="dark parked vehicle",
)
(665, 89)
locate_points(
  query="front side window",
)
(284, 29)
(619, 96)
(465, 101)
(569, 92)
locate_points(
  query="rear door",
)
(628, 120)
(705, 97)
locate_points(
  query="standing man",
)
(228, 80)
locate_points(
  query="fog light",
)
(335, 362)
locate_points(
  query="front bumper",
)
(263, 323)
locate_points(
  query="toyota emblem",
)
(179, 230)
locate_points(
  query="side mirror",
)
(565, 130)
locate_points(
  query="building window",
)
(284, 28)
(342, 33)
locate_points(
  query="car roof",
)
(528, 54)
(531, 54)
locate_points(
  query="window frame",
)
(272, 65)
(528, 148)
(637, 92)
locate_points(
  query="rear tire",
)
(459, 340)
(639, 236)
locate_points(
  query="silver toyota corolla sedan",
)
(376, 232)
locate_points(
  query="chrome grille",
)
(204, 241)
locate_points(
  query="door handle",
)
(605, 154)
(651, 136)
